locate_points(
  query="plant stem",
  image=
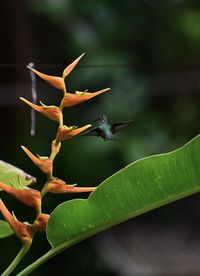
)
(17, 259)
(37, 263)
(51, 253)
(64, 89)
(39, 210)
(61, 118)
(44, 191)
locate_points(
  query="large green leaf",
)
(143, 185)
(5, 229)
(14, 176)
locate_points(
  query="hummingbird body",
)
(105, 130)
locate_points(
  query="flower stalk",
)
(16, 260)
(31, 197)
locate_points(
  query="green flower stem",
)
(61, 109)
(39, 210)
(55, 150)
(17, 259)
(44, 190)
(51, 253)
(64, 89)
(61, 118)
(52, 155)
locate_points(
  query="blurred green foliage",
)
(147, 51)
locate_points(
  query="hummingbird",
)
(105, 130)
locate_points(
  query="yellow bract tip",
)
(70, 67)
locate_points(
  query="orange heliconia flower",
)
(70, 99)
(26, 195)
(52, 112)
(70, 67)
(43, 163)
(58, 186)
(57, 82)
(40, 224)
(65, 132)
(22, 230)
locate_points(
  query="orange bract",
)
(52, 112)
(57, 82)
(65, 132)
(40, 224)
(59, 186)
(21, 229)
(79, 97)
(70, 67)
(44, 165)
(27, 196)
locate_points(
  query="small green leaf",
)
(5, 229)
(14, 176)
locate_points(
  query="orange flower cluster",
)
(69, 99)
(32, 197)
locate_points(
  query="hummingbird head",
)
(103, 118)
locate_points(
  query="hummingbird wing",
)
(93, 132)
(118, 126)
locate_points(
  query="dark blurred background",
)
(147, 51)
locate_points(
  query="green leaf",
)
(5, 229)
(138, 188)
(14, 176)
